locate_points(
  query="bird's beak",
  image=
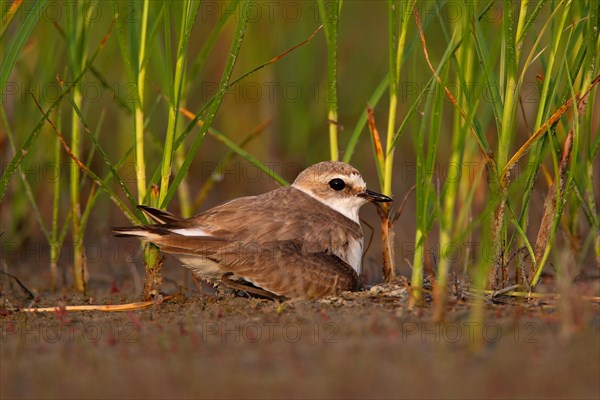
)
(375, 197)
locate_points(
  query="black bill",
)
(375, 197)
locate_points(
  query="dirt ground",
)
(358, 345)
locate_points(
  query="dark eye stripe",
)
(337, 184)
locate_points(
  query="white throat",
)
(348, 206)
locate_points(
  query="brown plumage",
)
(296, 241)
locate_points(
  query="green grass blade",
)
(26, 146)
(18, 42)
(362, 120)
(28, 190)
(210, 42)
(244, 154)
(105, 157)
(176, 89)
(213, 106)
(329, 12)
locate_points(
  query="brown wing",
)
(281, 215)
(285, 270)
(278, 267)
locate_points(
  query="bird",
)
(302, 241)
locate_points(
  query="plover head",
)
(339, 186)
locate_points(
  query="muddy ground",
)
(359, 345)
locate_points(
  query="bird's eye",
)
(337, 184)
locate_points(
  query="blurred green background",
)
(291, 94)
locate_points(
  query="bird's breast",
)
(351, 253)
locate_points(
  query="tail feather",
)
(160, 216)
(148, 231)
(129, 231)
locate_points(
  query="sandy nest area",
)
(365, 344)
